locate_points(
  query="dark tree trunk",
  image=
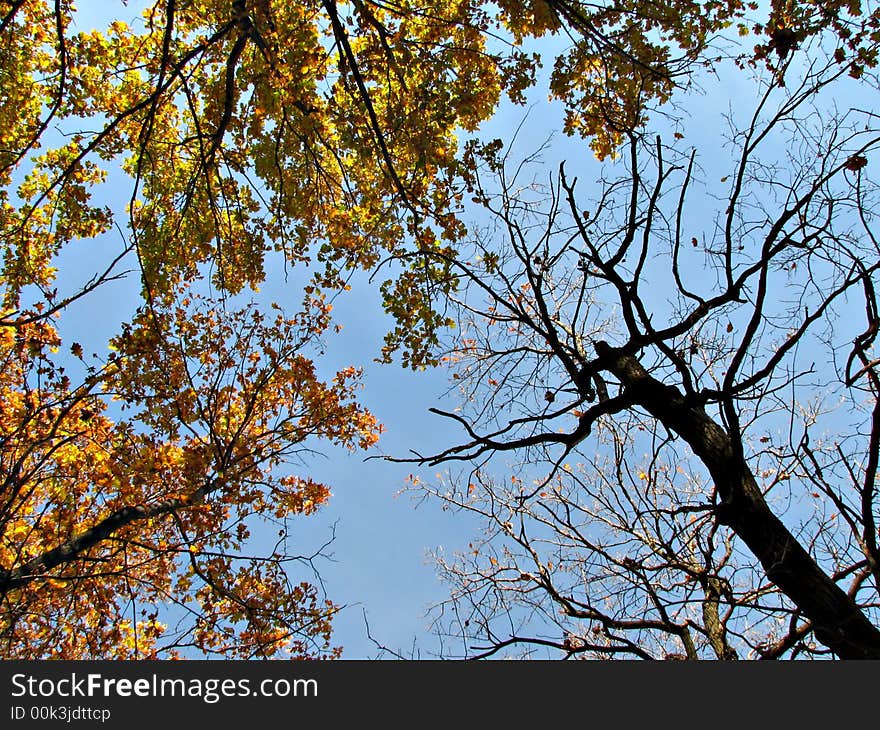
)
(837, 621)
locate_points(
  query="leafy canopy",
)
(242, 135)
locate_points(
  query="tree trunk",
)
(837, 621)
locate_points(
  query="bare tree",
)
(670, 396)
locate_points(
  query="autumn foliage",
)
(208, 144)
(107, 519)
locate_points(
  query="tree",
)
(669, 389)
(252, 136)
(108, 522)
(132, 482)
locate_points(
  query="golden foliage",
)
(321, 134)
